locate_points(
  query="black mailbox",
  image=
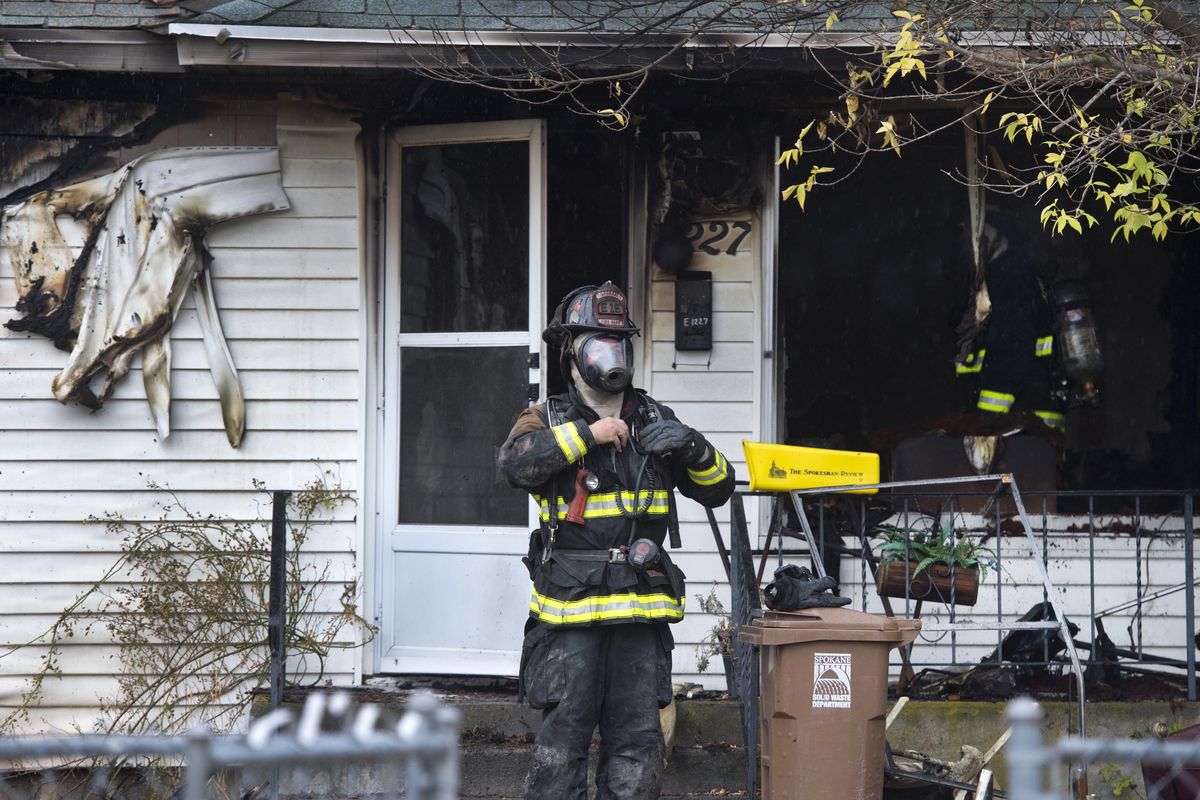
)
(693, 311)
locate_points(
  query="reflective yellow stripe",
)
(569, 440)
(1044, 346)
(1053, 419)
(997, 402)
(605, 504)
(714, 474)
(972, 364)
(604, 608)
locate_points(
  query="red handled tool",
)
(585, 483)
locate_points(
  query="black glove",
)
(668, 436)
(795, 587)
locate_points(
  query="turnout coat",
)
(575, 582)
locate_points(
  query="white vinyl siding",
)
(717, 393)
(287, 288)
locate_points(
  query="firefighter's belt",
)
(613, 555)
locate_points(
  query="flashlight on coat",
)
(586, 482)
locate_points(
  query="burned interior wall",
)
(874, 278)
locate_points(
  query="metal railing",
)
(1126, 524)
(335, 750)
(839, 524)
(1158, 769)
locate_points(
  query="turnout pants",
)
(615, 677)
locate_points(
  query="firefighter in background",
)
(601, 462)
(1012, 352)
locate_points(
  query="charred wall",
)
(874, 277)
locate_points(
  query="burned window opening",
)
(875, 274)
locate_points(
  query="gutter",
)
(189, 45)
(514, 39)
(406, 37)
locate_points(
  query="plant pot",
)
(933, 582)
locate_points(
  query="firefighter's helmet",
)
(590, 309)
(591, 327)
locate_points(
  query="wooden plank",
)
(249, 324)
(717, 417)
(85, 691)
(49, 538)
(203, 415)
(266, 230)
(182, 445)
(317, 144)
(724, 357)
(260, 262)
(322, 202)
(274, 324)
(289, 294)
(728, 326)
(17, 384)
(145, 504)
(84, 568)
(31, 608)
(322, 173)
(673, 387)
(243, 324)
(258, 354)
(727, 296)
(100, 659)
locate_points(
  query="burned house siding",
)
(718, 394)
(287, 288)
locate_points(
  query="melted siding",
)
(288, 291)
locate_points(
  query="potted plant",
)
(930, 563)
(718, 641)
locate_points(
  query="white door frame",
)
(466, 539)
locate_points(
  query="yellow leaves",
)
(831, 20)
(800, 190)
(1059, 219)
(887, 127)
(1085, 122)
(614, 114)
(987, 101)
(803, 132)
(851, 109)
(792, 155)
(858, 77)
(1017, 122)
(905, 56)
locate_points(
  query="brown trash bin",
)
(823, 699)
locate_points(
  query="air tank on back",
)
(1078, 337)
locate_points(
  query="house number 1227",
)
(718, 236)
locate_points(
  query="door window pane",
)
(464, 237)
(457, 406)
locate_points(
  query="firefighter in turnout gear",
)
(1013, 355)
(601, 462)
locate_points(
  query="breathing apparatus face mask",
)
(604, 361)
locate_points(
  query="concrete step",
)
(497, 772)
(708, 759)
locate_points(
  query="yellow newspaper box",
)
(782, 467)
